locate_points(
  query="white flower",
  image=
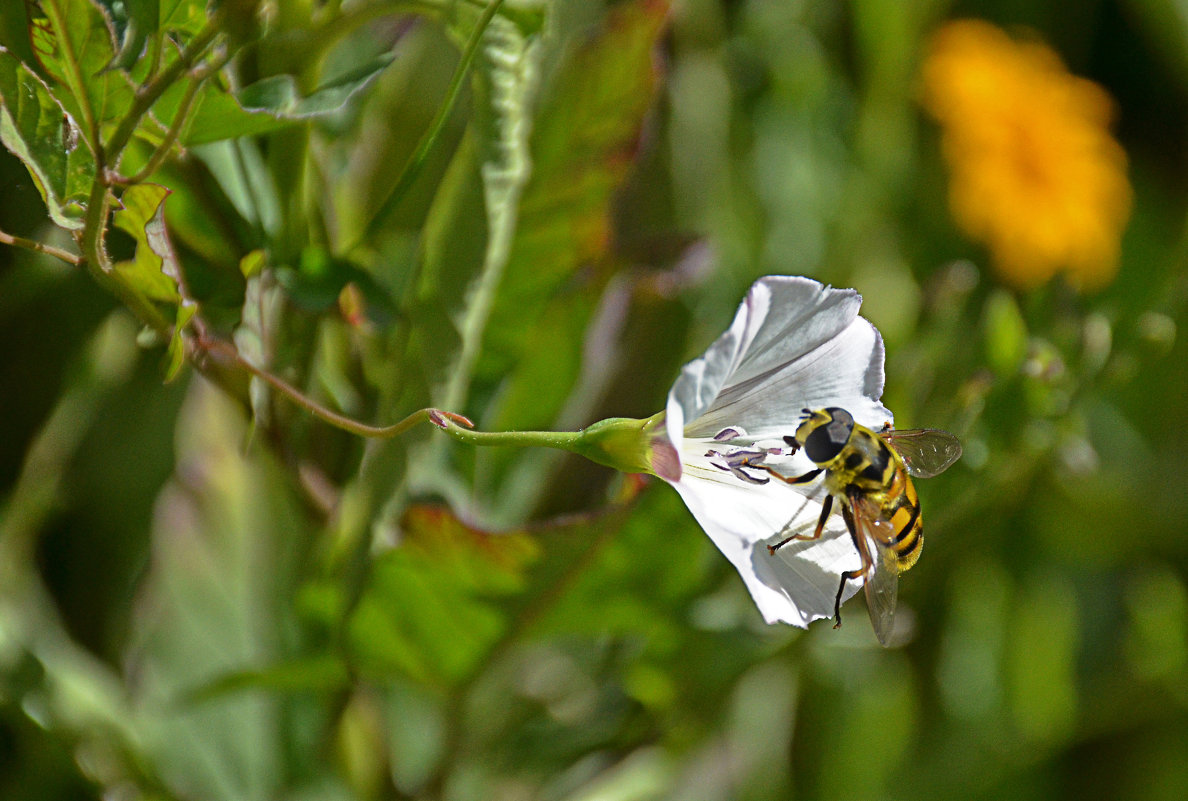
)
(794, 345)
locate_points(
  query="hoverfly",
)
(868, 472)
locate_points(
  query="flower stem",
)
(620, 443)
(561, 440)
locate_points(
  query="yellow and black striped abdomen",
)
(901, 508)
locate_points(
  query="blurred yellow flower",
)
(1035, 174)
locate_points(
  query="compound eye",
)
(826, 441)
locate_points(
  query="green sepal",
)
(624, 443)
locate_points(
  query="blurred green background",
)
(206, 593)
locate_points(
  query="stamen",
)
(747, 477)
(738, 460)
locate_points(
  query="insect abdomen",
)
(903, 512)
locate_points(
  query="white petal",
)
(845, 371)
(789, 317)
(797, 584)
(793, 344)
(702, 379)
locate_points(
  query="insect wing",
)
(925, 451)
(880, 566)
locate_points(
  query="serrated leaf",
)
(75, 44)
(153, 271)
(437, 606)
(638, 581)
(35, 128)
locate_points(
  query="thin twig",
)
(150, 93)
(180, 118)
(41, 247)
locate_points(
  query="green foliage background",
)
(206, 592)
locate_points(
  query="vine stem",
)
(107, 156)
(151, 92)
(180, 119)
(455, 425)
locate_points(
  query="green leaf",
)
(145, 18)
(175, 356)
(145, 13)
(216, 602)
(14, 34)
(46, 139)
(75, 44)
(279, 96)
(495, 155)
(430, 610)
(153, 271)
(541, 230)
(269, 105)
(637, 582)
(216, 116)
(455, 239)
(135, 21)
(323, 672)
(253, 263)
(182, 16)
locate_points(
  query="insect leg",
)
(826, 507)
(804, 479)
(846, 576)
